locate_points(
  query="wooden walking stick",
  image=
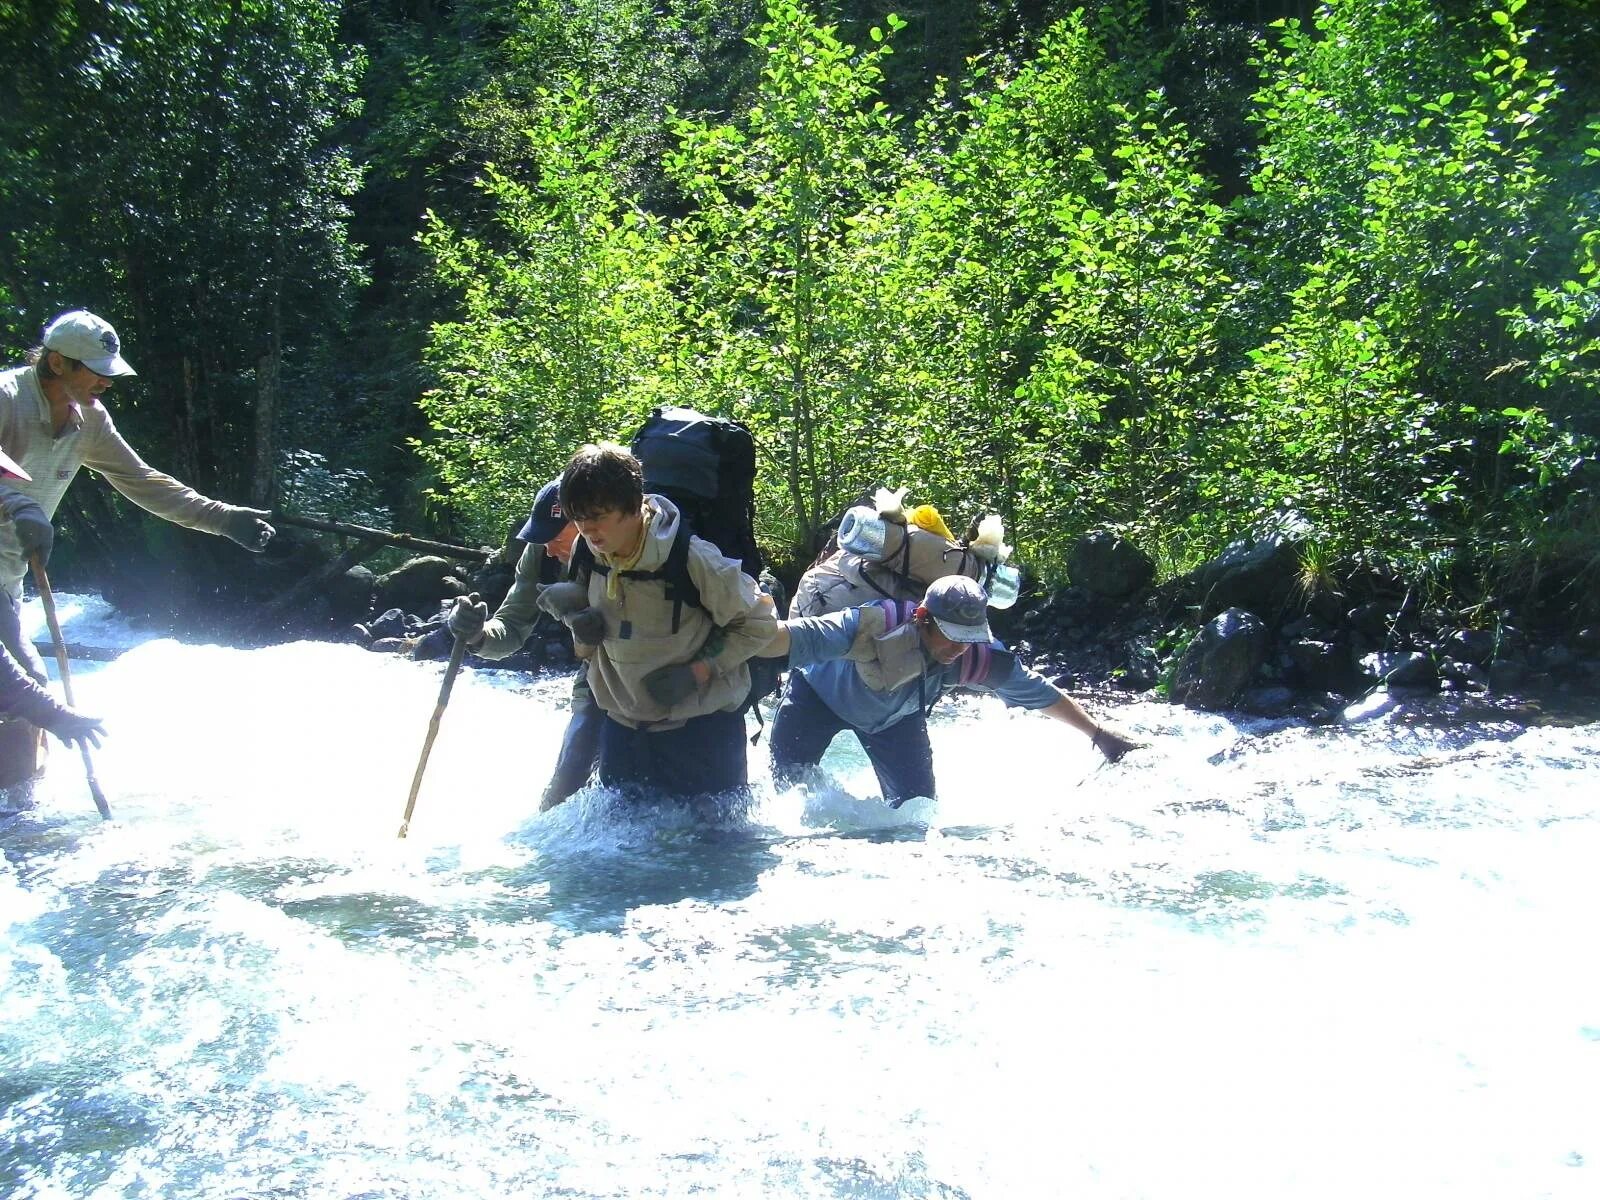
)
(457, 652)
(47, 597)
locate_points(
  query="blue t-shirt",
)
(817, 646)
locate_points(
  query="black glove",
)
(249, 528)
(467, 616)
(73, 727)
(588, 626)
(1113, 745)
(34, 531)
(563, 599)
(671, 685)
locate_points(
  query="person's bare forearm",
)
(1069, 712)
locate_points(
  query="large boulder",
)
(492, 582)
(1323, 665)
(1401, 668)
(350, 595)
(1106, 565)
(1475, 646)
(1259, 572)
(1219, 663)
(1253, 574)
(418, 585)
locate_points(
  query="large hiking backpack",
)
(707, 467)
(878, 554)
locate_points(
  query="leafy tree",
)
(1122, 392)
(1381, 404)
(780, 338)
(566, 320)
(174, 170)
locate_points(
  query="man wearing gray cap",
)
(879, 669)
(52, 423)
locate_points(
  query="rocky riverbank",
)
(1252, 631)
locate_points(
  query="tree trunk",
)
(188, 448)
(263, 480)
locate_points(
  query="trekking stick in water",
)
(457, 652)
(47, 598)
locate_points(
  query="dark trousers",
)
(805, 725)
(580, 747)
(704, 756)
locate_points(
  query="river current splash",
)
(1254, 960)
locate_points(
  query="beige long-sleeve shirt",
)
(89, 439)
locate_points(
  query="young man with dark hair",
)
(669, 674)
(52, 422)
(879, 669)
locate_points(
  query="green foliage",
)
(1122, 390)
(566, 321)
(1402, 169)
(171, 166)
(786, 330)
(1038, 280)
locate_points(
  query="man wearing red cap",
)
(52, 422)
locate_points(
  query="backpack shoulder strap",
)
(582, 560)
(680, 584)
(674, 572)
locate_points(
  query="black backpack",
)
(707, 467)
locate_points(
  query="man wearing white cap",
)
(52, 423)
(879, 669)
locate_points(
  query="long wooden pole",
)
(404, 540)
(457, 652)
(47, 597)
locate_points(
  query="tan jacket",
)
(639, 635)
(88, 440)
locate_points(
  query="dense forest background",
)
(1170, 269)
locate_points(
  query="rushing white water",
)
(1252, 961)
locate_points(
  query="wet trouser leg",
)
(580, 747)
(21, 648)
(802, 729)
(704, 756)
(902, 757)
(804, 726)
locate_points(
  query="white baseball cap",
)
(81, 335)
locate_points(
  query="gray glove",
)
(467, 616)
(563, 599)
(671, 685)
(73, 727)
(34, 531)
(588, 626)
(249, 528)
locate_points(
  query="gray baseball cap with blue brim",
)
(959, 608)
